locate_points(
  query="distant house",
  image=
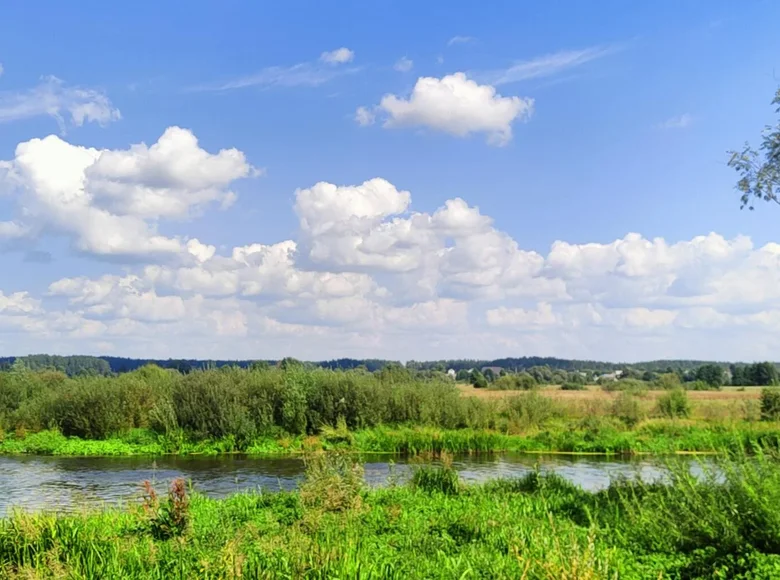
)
(451, 373)
(613, 376)
(495, 370)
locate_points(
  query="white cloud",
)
(108, 202)
(2, 70)
(547, 65)
(366, 276)
(403, 64)
(459, 106)
(338, 56)
(679, 122)
(364, 117)
(66, 104)
(460, 40)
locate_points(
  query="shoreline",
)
(652, 439)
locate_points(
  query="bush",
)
(674, 404)
(635, 386)
(531, 409)
(570, 386)
(333, 482)
(667, 381)
(770, 404)
(626, 408)
(699, 385)
(517, 382)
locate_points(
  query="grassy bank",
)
(652, 437)
(290, 410)
(434, 527)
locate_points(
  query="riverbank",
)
(538, 526)
(658, 437)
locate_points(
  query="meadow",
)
(724, 524)
(154, 411)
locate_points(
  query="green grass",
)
(655, 437)
(726, 525)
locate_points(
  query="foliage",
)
(333, 482)
(712, 374)
(770, 404)
(760, 178)
(674, 404)
(626, 408)
(722, 524)
(172, 518)
(667, 381)
(572, 386)
(514, 382)
(477, 379)
(441, 478)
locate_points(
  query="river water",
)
(67, 483)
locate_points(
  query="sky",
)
(396, 180)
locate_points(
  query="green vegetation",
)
(724, 524)
(272, 410)
(760, 178)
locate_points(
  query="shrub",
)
(517, 382)
(570, 386)
(699, 385)
(626, 408)
(333, 481)
(770, 404)
(634, 385)
(531, 409)
(674, 404)
(667, 381)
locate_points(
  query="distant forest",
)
(104, 365)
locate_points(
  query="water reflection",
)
(64, 483)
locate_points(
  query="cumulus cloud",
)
(68, 105)
(457, 105)
(108, 202)
(367, 274)
(338, 56)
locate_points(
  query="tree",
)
(490, 376)
(478, 379)
(711, 374)
(462, 376)
(762, 374)
(760, 177)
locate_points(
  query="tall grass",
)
(724, 524)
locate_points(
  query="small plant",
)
(674, 404)
(171, 519)
(626, 408)
(442, 478)
(770, 404)
(334, 481)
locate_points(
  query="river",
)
(67, 483)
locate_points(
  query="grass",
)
(274, 411)
(724, 525)
(657, 436)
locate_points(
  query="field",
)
(728, 403)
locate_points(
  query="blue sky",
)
(570, 126)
